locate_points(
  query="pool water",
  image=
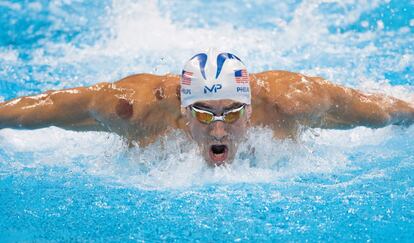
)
(58, 185)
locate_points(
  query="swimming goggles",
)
(208, 117)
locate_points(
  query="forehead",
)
(217, 104)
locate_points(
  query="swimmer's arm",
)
(339, 107)
(68, 109)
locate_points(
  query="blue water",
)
(330, 186)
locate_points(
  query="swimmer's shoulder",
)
(151, 87)
(274, 82)
(278, 77)
(136, 89)
(289, 93)
(148, 79)
(279, 81)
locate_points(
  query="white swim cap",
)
(214, 76)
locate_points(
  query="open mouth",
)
(218, 153)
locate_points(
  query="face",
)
(218, 140)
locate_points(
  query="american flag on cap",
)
(241, 76)
(186, 77)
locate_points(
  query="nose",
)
(218, 131)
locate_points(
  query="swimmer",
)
(214, 101)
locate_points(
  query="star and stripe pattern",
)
(241, 76)
(186, 77)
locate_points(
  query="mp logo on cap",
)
(213, 88)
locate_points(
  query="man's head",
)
(215, 97)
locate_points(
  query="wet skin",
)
(218, 134)
(143, 107)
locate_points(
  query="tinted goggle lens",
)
(233, 116)
(204, 117)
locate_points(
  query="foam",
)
(174, 163)
(171, 162)
(8, 55)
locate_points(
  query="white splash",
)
(174, 161)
